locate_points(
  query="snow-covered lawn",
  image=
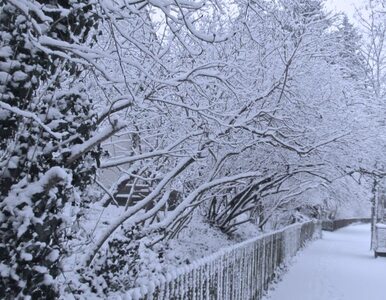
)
(338, 267)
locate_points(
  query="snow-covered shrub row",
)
(243, 271)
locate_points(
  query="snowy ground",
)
(338, 267)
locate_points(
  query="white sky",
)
(346, 6)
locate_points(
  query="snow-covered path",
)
(337, 267)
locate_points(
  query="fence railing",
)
(239, 272)
(332, 225)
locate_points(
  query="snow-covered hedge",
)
(332, 225)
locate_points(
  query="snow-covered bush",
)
(125, 262)
(44, 121)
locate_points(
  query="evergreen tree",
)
(349, 50)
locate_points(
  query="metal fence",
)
(240, 272)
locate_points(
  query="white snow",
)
(6, 52)
(196, 241)
(338, 267)
(4, 76)
(19, 76)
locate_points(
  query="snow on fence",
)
(242, 271)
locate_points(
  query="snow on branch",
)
(133, 158)
(194, 194)
(20, 195)
(29, 115)
(132, 212)
(79, 149)
(26, 7)
(302, 151)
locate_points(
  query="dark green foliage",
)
(116, 265)
(36, 179)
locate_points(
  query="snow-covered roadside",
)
(338, 267)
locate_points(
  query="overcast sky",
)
(346, 6)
